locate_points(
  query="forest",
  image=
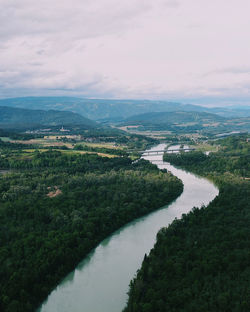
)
(56, 207)
(201, 262)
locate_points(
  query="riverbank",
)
(43, 238)
(100, 282)
(201, 262)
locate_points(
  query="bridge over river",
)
(160, 152)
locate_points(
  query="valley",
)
(67, 185)
(124, 156)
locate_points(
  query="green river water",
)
(100, 282)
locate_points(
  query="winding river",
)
(100, 282)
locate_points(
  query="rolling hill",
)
(19, 117)
(173, 121)
(186, 122)
(174, 117)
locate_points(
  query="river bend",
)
(100, 282)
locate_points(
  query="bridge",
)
(160, 152)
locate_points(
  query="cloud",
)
(76, 19)
(230, 70)
(142, 48)
(171, 3)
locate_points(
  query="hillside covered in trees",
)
(201, 262)
(56, 207)
(24, 118)
(187, 122)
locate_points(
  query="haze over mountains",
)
(106, 109)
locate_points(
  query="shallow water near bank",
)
(100, 282)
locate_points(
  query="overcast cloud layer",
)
(155, 49)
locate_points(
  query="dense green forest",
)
(233, 158)
(201, 262)
(56, 207)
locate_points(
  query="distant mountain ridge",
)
(28, 117)
(107, 109)
(174, 117)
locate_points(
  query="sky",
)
(194, 51)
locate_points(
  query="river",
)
(100, 282)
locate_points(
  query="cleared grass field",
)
(5, 139)
(54, 141)
(42, 150)
(204, 147)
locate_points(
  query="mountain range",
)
(113, 110)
